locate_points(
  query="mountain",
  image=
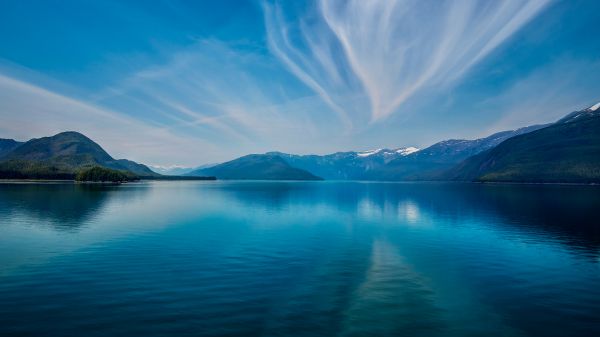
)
(257, 166)
(593, 111)
(61, 156)
(172, 170)
(349, 165)
(7, 145)
(566, 151)
(404, 163)
(431, 162)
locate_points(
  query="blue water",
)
(299, 259)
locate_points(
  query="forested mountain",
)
(260, 167)
(567, 151)
(431, 162)
(62, 156)
(7, 145)
(405, 163)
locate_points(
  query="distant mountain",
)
(172, 170)
(259, 167)
(404, 163)
(7, 145)
(61, 156)
(429, 163)
(349, 165)
(566, 151)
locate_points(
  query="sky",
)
(186, 83)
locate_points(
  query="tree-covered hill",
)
(102, 174)
(62, 156)
(259, 167)
(567, 151)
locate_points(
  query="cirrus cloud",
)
(386, 51)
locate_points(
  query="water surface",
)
(299, 259)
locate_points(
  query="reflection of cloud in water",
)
(369, 209)
(392, 284)
(558, 213)
(408, 211)
(396, 299)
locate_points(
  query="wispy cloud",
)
(544, 96)
(324, 78)
(387, 51)
(208, 102)
(233, 97)
(29, 110)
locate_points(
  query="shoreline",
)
(52, 181)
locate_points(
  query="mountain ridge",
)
(7, 145)
(403, 163)
(567, 151)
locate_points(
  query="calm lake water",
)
(299, 259)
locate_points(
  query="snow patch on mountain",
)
(405, 151)
(402, 151)
(368, 153)
(594, 107)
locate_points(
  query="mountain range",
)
(431, 162)
(565, 151)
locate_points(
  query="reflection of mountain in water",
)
(263, 193)
(557, 212)
(65, 206)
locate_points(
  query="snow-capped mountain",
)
(395, 164)
(410, 163)
(429, 162)
(594, 107)
(387, 153)
(346, 165)
(455, 150)
(592, 111)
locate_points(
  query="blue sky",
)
(194, 82)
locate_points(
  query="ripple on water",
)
(295, 259)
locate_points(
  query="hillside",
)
(258, 167)
(8, 145)
(431, 162)
(567, 151)
(61, 156)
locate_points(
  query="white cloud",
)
(389, 50)
(208, 103)
(543, 96)
(235, 98)
(31, 111)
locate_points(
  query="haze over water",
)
(299, 259)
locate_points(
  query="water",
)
(299, 259)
